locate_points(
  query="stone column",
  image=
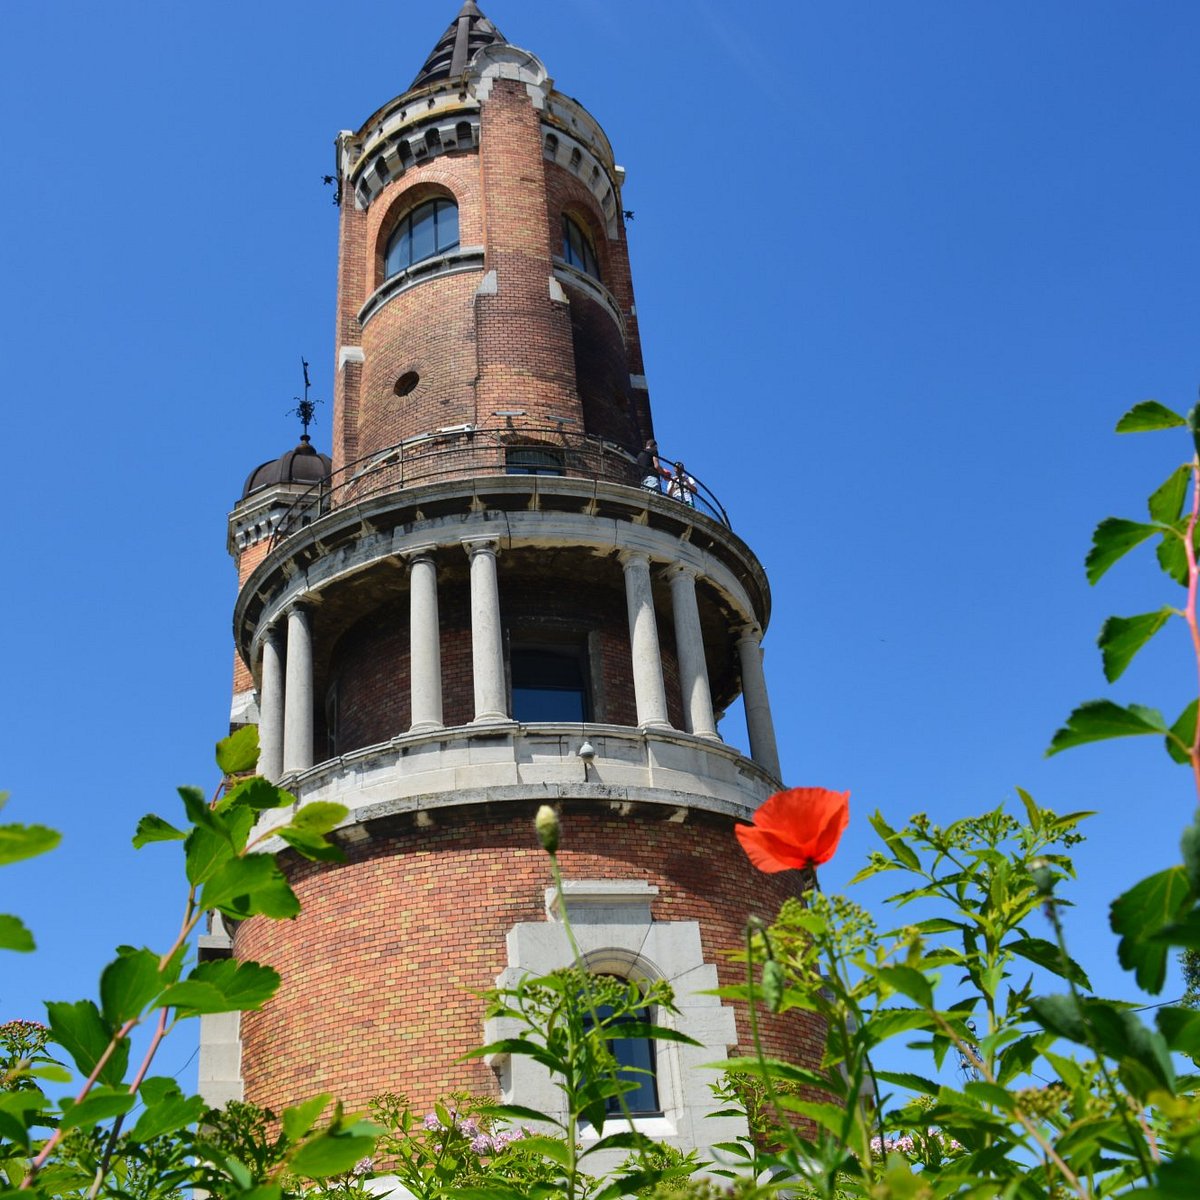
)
(649, 693)
(487, 648)
(425, 648)
(298, 694)
(270, 707)
(689, 646)
(754, 697)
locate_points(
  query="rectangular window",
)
(549, 683)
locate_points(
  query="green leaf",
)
(1189, 845)
(128, 984)
(206, 850)
(238, 753)
(888, 1022)
(1047, 954)
(1148, 416)
(1113, 538)
(154, 829)
(905, 1079)
(222, 985)
(250, 886)
(196, 807)
(19, 842)
(1097, 720)
(1193, 424)
(1140, 913)
(167, 1114)
(1183, 734)
(1122, 637)
(100, 1104)
(14, 935)
(1166, 504)
(312, 846)
(990, 1093)
(331, 1153)
(908, 982)
(320, 817)
(255, 793)
(300, 1119)
(84, 1034)
(1180, 1028)
(1060, 1015)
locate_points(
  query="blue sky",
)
(899, 268)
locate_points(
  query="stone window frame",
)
(612, 923)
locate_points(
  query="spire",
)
(469, 32)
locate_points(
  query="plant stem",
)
(1189, 549)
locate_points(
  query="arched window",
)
(532, 460)
(429, 229)
(577, 248)
(636, 1063)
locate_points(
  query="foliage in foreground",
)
(1054, 1090)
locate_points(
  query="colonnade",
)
(286, 687)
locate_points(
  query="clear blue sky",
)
(899, 268)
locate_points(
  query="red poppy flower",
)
(796, 829)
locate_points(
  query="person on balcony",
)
(650, 471)
(682, 486)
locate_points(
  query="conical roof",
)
(469, 32)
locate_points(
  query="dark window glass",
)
(431, 228)
(577, 249)
(636, 1064)
(548, 685)
(532, 460)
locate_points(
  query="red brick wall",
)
(380, 969)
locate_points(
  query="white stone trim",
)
(639, 948)
(573, 155)
(503, 61)
(350, 354)
(674, 772)
(400, 141)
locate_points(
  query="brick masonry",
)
(384, 968)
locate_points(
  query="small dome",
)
(302, 465)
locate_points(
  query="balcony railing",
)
(469, 452)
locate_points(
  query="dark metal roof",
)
(301, 465)
(470, 32)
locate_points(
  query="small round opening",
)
(406, 383)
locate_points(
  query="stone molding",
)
(416, 772)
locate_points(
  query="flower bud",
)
(546, 824)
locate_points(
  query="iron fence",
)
(469, 452)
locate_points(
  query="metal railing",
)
(468, 452)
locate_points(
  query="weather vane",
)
(305, 409)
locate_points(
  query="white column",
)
(487, 648)
(649, 694)
(689, 646)
(298, 694)
(425, 649)
(754, 697)
(270, 707)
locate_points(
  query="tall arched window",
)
(429, 229)
(577, 248)
(636, 1064)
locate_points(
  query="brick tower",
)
(476, 608)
